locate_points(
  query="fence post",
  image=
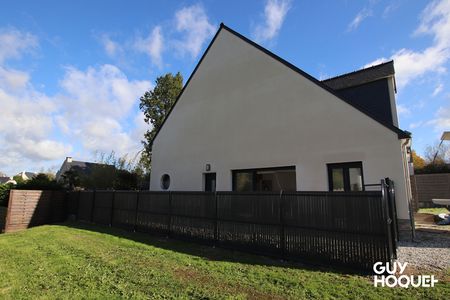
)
(387, 219)
(282, 231)
(77, 209)
(136, 211)
(93, 206)
(111, 217)
(216, 225)
(169, 225)
(9, 210)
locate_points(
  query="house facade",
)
(248, 120)
(25, 175)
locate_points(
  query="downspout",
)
(408, 186)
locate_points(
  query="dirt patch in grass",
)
(425, 221)
(188, 275)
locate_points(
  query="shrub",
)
(39, 182)
(4, 193)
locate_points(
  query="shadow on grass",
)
(210, 252)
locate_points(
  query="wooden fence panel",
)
(85, 205)
(426, 187)
(193, 215)
(153, 212)
(124, 209)
(250, 221)
(27, 208)
(103, 207)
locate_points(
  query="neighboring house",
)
(7, 179)
(25, 175)
(247, 120)
(83, 168)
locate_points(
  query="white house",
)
(26, 175)
(247, 120)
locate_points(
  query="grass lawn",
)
(74, 261)
(434, 211)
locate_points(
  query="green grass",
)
(61, 262)
(434, 211)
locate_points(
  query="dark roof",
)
(4, 179)
(84, 166)
(400, 133)
(361, 76)
(30, 174)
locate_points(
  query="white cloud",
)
(112, 48)
(275, 12)
(412, 64)
(438, 89)
(360, 16)
(403, 110)
(415, 125)
(26, 114)
(12, 80)
(193, 22)
(13, 43)
(97, 106)
(442, 119)
(153, 45)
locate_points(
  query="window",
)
(345, 177)
(165, 182)
(265, 180)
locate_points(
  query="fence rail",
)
(354, 229)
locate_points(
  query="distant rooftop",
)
(361, 76)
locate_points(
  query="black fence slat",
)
(332, 227)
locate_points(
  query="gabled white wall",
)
(244, 109)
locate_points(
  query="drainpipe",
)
(410, 208)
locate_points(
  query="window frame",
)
(163, 182)
(253, 172)
(345, 166)
(205, 176)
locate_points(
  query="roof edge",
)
(361, 70)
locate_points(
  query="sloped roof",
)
(361, 76)
(400, 133)
(4, 179)
(84, 166)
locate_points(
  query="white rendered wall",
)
(243, 109)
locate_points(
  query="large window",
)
(265, 180)
(345, 177)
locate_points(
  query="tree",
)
(437, 158)
(437, 154)
(71, 179)
(156, 104)
(18, 179)
(418, 161)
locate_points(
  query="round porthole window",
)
(165, 181)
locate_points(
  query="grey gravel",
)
(429, 251)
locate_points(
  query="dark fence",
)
(3, 212)
(426, 187)
(354, 229)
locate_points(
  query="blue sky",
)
(72, 72)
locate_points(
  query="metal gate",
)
(390, 215)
